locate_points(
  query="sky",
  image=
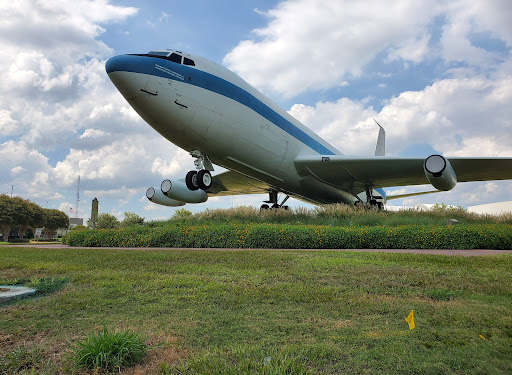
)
(437, 75)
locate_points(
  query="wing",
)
(352, 174)
(233, 183)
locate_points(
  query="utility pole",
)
(77, 198)
(12, 189)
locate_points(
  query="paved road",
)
(475, 252)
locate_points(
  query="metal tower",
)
(77, 207)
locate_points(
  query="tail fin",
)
(380, 148)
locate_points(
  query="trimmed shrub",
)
(285, 236)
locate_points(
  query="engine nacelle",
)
(178, 190)
(158, 197)
(440, 173)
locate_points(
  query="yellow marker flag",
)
(410, 320)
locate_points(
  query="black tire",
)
(191, 180)
(264, 207)
(204, 179)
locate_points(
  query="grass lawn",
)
(266, 312)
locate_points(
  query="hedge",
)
(284, 236)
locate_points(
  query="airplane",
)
(220, 119)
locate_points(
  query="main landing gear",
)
(273, 199)
(202, 178)
(371, 201)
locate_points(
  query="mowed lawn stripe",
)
(322, 311)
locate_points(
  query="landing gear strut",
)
(202, 178)
(272, 198)
(371, 201)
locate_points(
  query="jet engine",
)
(440, 173)
(179, 191)
(157, 196)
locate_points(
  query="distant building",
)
(74, 221)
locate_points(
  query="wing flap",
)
(233, 183)
(352, 174)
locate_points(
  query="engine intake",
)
(158, 197)
(440, 173)
(179, 191)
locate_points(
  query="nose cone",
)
(127, 73)
(116, 63)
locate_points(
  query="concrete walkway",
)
(14, 292)
(475, 252)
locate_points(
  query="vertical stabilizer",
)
(380, 148)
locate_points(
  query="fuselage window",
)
(175, 58)
(188, 62)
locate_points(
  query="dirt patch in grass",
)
(156, 358)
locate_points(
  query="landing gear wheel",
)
(204, 179)
(276, 206)
(286, 208)
(264, 207)
(191, 180)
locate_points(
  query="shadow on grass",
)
(44, 286)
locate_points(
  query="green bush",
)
(285, 236)
(79, 227)
(109, 351)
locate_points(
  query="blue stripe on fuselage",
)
(210, 82)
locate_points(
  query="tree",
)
(106, 221)
(6, 215)
(21, 213)
(55, 219)
(35, 218)
(131, 218)
(14, 212)
(38, 218)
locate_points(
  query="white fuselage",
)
(208, 108)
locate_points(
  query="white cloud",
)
(346, 124)
(315, 45)
(8, 126)
(312, 45)
(414, 49)
(459, 117)
(60, 116)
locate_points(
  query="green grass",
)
(334, 215)
(20, 359)
(109, 351)
(321, 312)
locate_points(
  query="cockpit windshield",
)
(172, 56)
(158, 53)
